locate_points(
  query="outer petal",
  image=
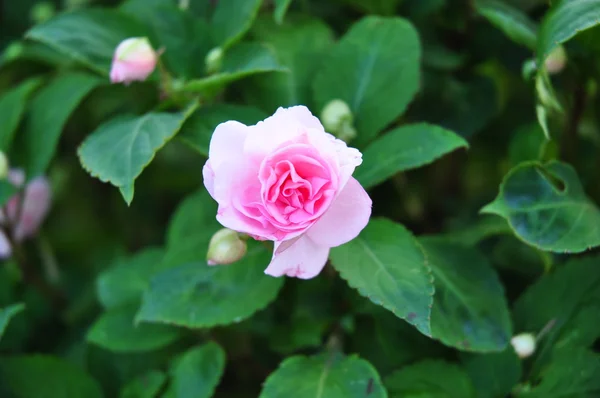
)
(346, 217)
(304, 259)
(35, 208)
(227, 144)
(208, 177)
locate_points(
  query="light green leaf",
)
(232, 19)
(125, 282)
(196, 295)
(323, 377)
(546, 207)
(243, 60)
(47, 115)
(564, 21)
(470, 311)
(12, 107)
(431, 379)
(120, 149)
(7, 313)
(198, 129)
(494, 375)
(387, 265)
(197, 372)
(405, 148)
(127, 192)
(7, 191)
(90, 36)
(40, 376)
(116, 331)
(147, 385)
(374, 68)
(513, 22)
(281, 7)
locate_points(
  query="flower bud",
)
(214, 60)
(42, 12)
(3, 166)
(523, 344)
(134, 60)
(337, 119)
(225, 247)
(556, 61)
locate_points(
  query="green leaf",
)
(89, 36)
(40, 376)
(127, 192)
(470, 311)
(47, 115)
(232, 19)
(125, 282)
(12, 108)
(198, 129)
(196, 295)
(281, 7)
(494, 375)
(120, 149)
(513, 22)
(431, 379)
(147, 385)
(387, 265)
(7, 313)
(117, 331)
(323, 377)
(546, 207)
(382, 7)
(483, 228)
(7, 191)
(405, 148)
(374, 68)
(564, 21)
(197, 372)
(243, 60)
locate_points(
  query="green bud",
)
(556, 61)
(225, 247)
(3, 166)
(42, 12)
(214, 60)
(337, 119)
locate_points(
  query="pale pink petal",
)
(208, 176)
(304, 259)
(346, 217)
(5, 249)
(227, 144)
(35, 208)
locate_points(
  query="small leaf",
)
(494, 375)
(565, 20)
(470, 311)
(546, 207)
(232, 19)
(387, 265)
(40, 376)
(197, 372)
(12, 107)
(323, 377)
(374, 68)
(405, 148)
(513, 22)
(432, 379)
(281, 7)
(147, 385)
(127, 192)
(7, 313)
(116, 331)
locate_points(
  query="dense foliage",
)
(476, 275)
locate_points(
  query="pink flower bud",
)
(134, 60)
(225, 247)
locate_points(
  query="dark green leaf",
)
(7, 313)
(494, 375)
(12, 107)
(7, 191)
(232, 19)
(281, 7)
(513, 22)
(147, 385)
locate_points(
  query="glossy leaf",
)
(494, 375)
(147, 385)
(374, 68)
(546, 207)
(513, 22)
(405, 148)
(334, 377)
(387, 265)
(232, 19)
(7, 313)
(12, 107)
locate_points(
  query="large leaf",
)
(564, 21)
(431, 379)
(387, 265)
(197, 372)
(89, 36)
(147, 385)
(117, 331)
(469, 307)
(546, 207)
(232, 19)
(404, 148)
(494, 375)
(7, 313)
(333, 377)
(513, 22)
(47, 115)
(198, 129)
(39, 376)
(12, 107)
(196, 295)
(375, 69)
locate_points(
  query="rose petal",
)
(35, 208)
(227, 143)
(346, 217)
(208, 176)
(304, 259)
(5, 249)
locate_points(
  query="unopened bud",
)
(523, 344)
(556, 61)
(214, 60)
(337, 119)
(42, 12)
(225, 247)
(3, 166)
(134, 60)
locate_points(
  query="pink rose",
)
(287, 180)
(134, 59)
